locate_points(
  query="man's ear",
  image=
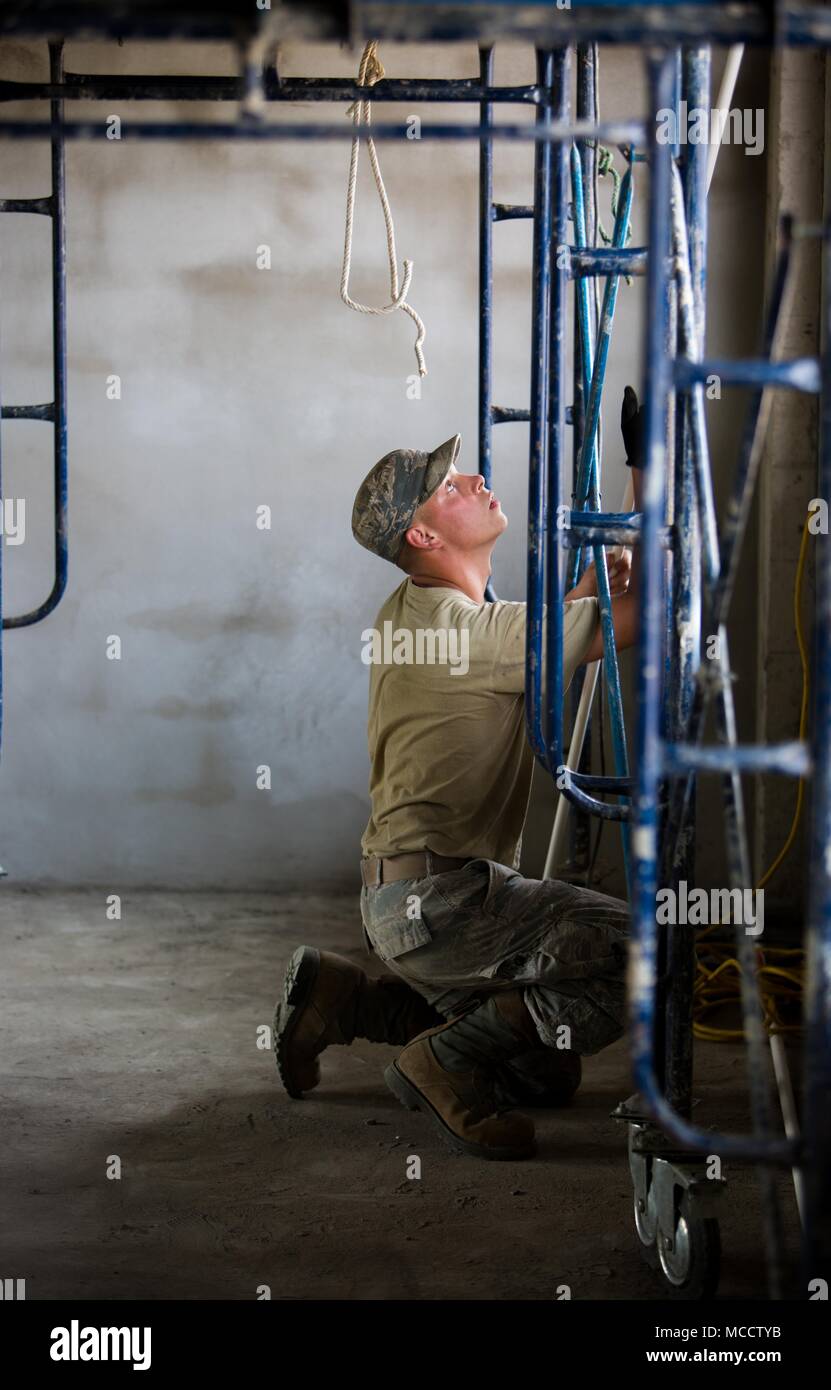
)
(421, 538)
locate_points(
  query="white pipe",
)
(725, 97)
(557, 843)
(786, 1099)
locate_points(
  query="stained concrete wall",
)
(788, 476)
(244, 387)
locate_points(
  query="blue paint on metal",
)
(607, 260)
(656, 760)
(584, 314)
(34, 205)
(609, 132)
(587, 484)
(601, 783)
(511, 212)
(586, 61)
(607, 528)
(598, 375)
(485, 271)
(799, 374)
(580, 852)
(537, 437)
(695, 462)
(791, 759)
(543, 23)
(816, 1112)
(55, 411)
(486, 417)
(676, 99)
(589, 453)
(683, 591)
(644, 946)
(275, 90)
(556, 401)
(567, 785)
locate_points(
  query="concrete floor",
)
(138, 1039)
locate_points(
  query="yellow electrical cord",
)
(718, 973)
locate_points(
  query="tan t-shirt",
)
(451, 766)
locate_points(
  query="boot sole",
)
(412, 1099)
(301, 974)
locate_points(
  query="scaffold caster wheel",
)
(690, 1260)
(646, 1225)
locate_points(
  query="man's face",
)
(462, 512)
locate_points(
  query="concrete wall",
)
(788, 478)
(243, 387)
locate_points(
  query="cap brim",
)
(441, 460)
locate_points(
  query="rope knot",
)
(371, 70)
(374, 69)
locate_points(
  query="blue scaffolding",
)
(688, 565)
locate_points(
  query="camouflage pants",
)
(459, 935)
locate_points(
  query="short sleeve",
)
(498, 641)
(581, 619)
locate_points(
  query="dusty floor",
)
(138, 1039)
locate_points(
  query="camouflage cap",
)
(392, 492)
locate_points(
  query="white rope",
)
(370, 72)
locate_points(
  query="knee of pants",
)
(595, 1017)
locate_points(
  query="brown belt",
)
(376, 870)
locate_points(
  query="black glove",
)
(631, 427)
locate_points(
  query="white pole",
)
(786, 1100)
(557, 843)
(725, 96)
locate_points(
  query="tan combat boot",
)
(450, 1073)
(327, 999)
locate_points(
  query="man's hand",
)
(632, 419)
(619, 569)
